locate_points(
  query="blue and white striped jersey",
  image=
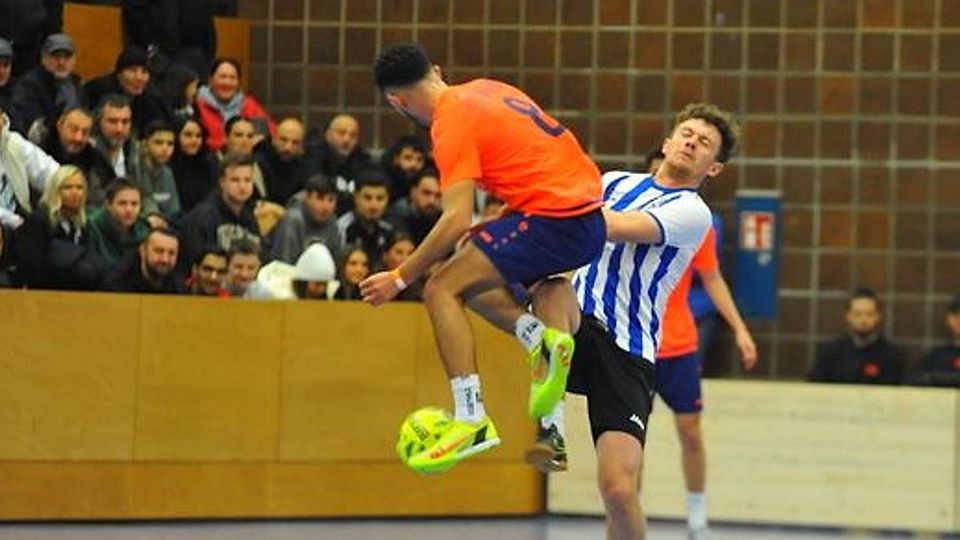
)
(627, 286)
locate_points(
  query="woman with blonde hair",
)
(52, 245)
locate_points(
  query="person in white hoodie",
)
(312, 278)
(24, 168)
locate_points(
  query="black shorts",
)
(618, 385)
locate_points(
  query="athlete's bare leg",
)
(619, 463)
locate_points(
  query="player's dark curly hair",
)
(725, 123)
(401, 65)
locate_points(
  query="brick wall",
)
(850, 108)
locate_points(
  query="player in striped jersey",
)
(655, 224)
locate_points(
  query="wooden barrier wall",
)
(98, 33)
(796, 453)
(129, 407)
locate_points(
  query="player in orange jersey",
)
(489, 135)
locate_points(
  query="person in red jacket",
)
(222, 99)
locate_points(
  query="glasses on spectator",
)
(207, 269)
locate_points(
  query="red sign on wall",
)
(757, 230)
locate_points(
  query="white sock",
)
(696, 510)
(529, 330)
(555, 418)
(467, 399)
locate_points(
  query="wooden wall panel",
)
(348, 380)
(797, 453)
(238, 409)
(198, 490)
(64, 490)
(67, 382)
(209, 379)
(476, 487)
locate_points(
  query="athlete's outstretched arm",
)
(640, 227)
(719, 293)
(453, 223)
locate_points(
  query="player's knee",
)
(619, 495)
(691, 438)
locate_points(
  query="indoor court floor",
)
(540, 528)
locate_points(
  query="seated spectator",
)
(226, 216)
(354, 268)
(115, 142)
(418, 213)
(195, 168)
(53, 245)
(241, 139)
(403, 162)
(281, 161)
(150, 269)
(45, 91)
(862, 355)
(311, 221)
(6, 75)
(178, 88)
(314, 274)
(173, 31)
(208, 274)
(941, 366)
(25, 23)
(70, 144)
(27, 170)
(131, 78)
(340, 157)
(156, 178)
(117, 228)
(397, 251)
(221, 100)
(242, 269)
(365, 224)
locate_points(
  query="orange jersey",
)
(679, 336)
(494, 134)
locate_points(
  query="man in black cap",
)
(941, 367)
(47, 90)
(6, 75)
(131, 77)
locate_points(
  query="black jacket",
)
(213, 224)
(196, 177)
(35, 96)
(50, 258)
(282, 178)
(343, 170)
(127, 277)
(941, 367)
(841, 361)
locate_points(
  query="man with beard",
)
(340, 157)
(419, 213)
(131, 78)
(150, 269)
(208, 274)
(281, 161)
(862, 355)
(114, 141)
(46, 90)
(69, 144)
